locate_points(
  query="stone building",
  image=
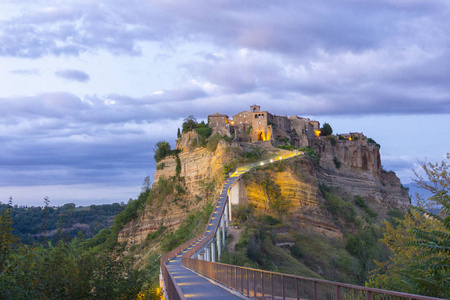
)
(220, 123)
(257, 125)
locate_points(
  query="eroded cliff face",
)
(350, 168)
(355, 169)
(199, 180)
(298, 185)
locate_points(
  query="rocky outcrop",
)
(354, 167)
(200, 178)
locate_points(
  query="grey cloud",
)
(294, 28)
(74, 75)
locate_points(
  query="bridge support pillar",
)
(222, 224)
(218, 241)
(227, 215)
(207, 252)
(213, 251)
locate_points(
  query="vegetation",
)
(326, 130)
(162, 150)
(361, 203)
(79, 269)
(371, 141)
(337, 162)
(420, 243)
(43, 224)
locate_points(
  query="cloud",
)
(74, 75)
(25, 72)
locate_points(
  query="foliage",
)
(252, 155)
(178, 166)
(189, 124)
(332, 140)
(249, 129)
(190, 227)
(160, 166)
(337, 162)
(204, 132)
(68, 271)
(371, 141)
(420, 243)
(326, 130)
(162, 150)
(359, 201)
(287, 147)
(30, 223)
(311, 153)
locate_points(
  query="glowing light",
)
(271, 160)
(262, 163)
(281, 157)
(317, 132)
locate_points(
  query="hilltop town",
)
(257, 125)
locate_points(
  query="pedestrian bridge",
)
(192, 270)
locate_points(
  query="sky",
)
(87, 88)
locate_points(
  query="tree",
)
(421, 242)
(189, 124)
(326, 130)
(162, 150)
(7, 239)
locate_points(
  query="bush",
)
(371, 141)
(160, 166)
(287, 147)
(337, 163)
(162, 150)
(359, 201)
(204, 132)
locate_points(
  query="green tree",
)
(421, 242)
(326, 130)
(189, 124)
(7, 239)
(161, 150)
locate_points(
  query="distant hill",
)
(414, 189)
(39, 224)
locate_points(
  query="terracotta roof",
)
(217, 115)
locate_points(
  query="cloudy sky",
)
(88, 87)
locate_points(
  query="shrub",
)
(371, 141)
(287, 147)
(359, 201)
(337, 163)
(160, 166)
(162, 150)
(204, 132)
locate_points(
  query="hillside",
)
(334, 197)
(38, 224)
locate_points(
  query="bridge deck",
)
(194, 286)
(191, 284)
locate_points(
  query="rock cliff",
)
(199, 181)
(352, 168)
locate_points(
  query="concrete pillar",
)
(222, 221)
(213, 252)
(219, 243)
(227, 214)
(207, 253)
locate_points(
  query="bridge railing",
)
(171, 288)
(259, 284)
